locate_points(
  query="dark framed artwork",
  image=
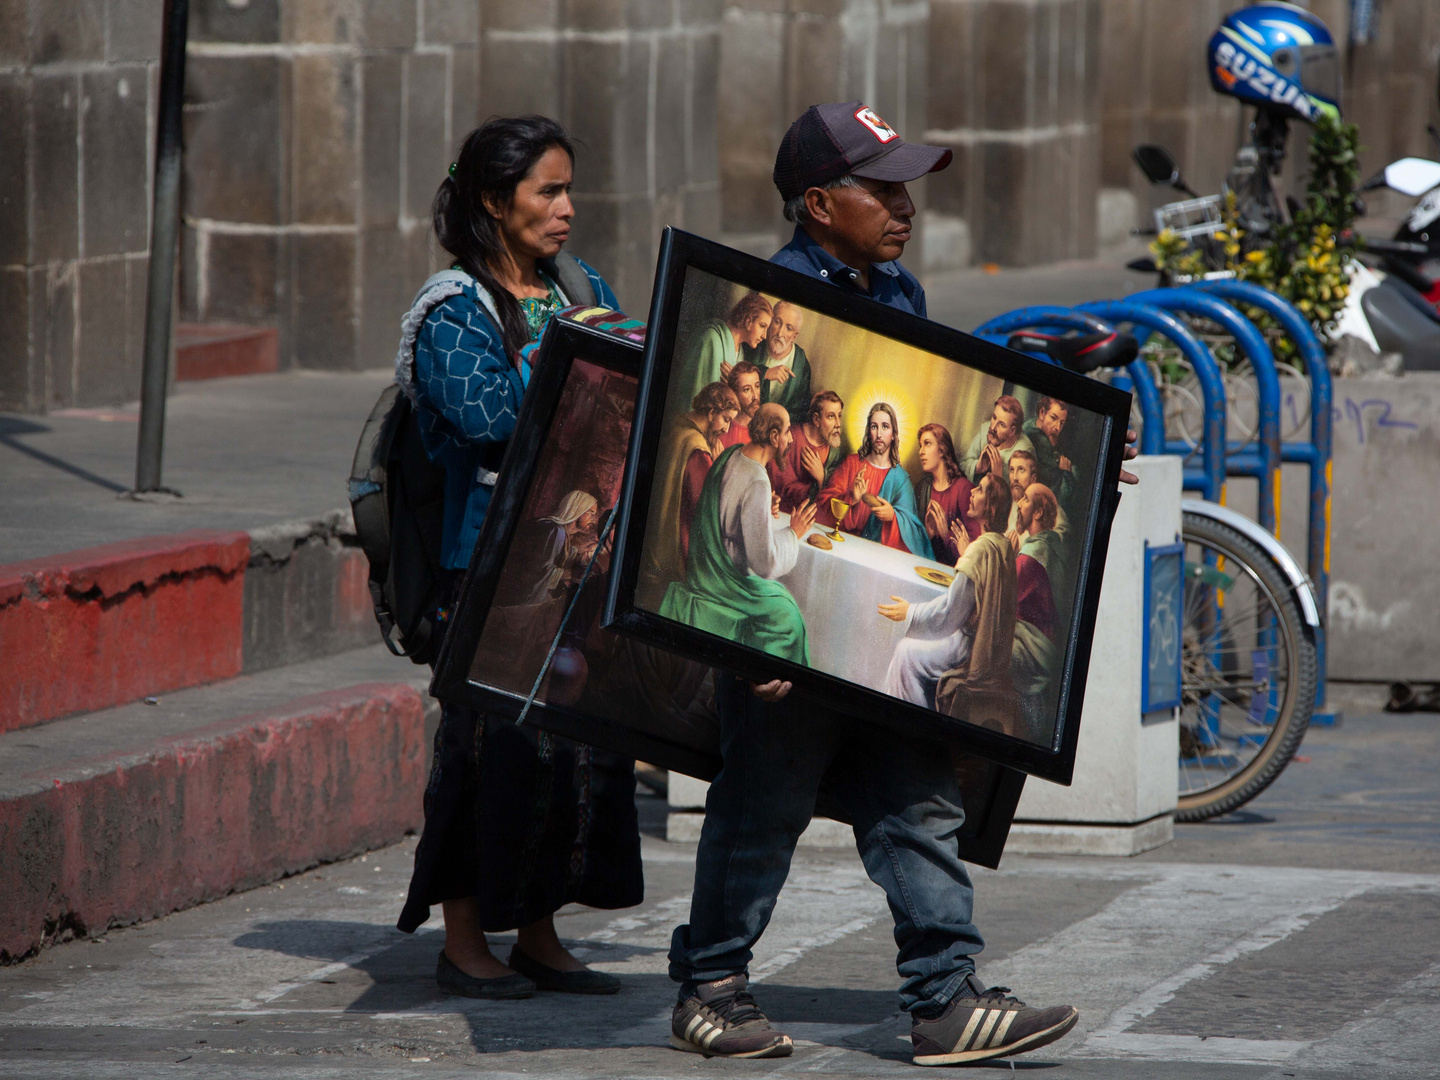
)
(961, 493)
(605, 689)
(560, 481)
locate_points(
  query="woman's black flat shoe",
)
(454, 981)
(565, 982)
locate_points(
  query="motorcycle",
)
(1384, 309)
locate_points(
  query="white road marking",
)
(1137, 952)
(1194, 1048)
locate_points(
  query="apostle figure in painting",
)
(719, 345)
(892, 518)
(992, 446)
(786, 368)
(1056, 471)
(689, 448)
(964, 629)
(943, 494)
(1037, 539)
(744, 380)
(814, 453)
(1022, 472)
(550, 549)
(738, 548)
(1035, 656)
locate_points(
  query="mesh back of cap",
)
(809, 156)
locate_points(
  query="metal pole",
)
(164, 232)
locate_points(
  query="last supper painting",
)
(895, 515)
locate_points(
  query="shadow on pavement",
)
(388, 972)
(11, 426)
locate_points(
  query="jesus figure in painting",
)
(892, 519)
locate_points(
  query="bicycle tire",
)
(1287, 727)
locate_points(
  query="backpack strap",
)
(437, 289)
(574, 283)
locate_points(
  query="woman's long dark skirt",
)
(525, 821)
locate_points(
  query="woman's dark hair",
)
(493, 160)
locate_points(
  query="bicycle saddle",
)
(1080, 352)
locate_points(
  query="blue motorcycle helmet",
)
(1279, 57)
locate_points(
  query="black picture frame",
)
(991, 792)
(681, 252)
(564, 342)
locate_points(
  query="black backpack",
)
(397, 494)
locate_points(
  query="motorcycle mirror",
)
(1412, 176)
(1157, 165)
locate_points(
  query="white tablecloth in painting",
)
(839, 591)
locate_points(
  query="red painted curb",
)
(94, 628)
(228, 807)
(215, 350)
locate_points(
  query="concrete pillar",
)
(636, 84)
(1125, 789)
(1014, 90)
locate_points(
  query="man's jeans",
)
(904, 801)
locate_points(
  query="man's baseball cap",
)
(845, 138)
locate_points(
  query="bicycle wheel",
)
(1248, 671)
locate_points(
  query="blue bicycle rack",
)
(1314, 454)
(1262, 463)
(1209, 478)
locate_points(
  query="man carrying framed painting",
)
(841, 171)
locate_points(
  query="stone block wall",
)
(1014, 90)
(779, 57)
(318, 130)
(316, 135)
(635, 82)
(77, 96)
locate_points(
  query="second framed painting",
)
(906, 522)
(554, 498)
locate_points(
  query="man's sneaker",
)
(720, 1019)
(979, 1024)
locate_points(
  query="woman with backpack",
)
(518, 823)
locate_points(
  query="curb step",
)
(127, 814)
(216, 350)
(95, 628)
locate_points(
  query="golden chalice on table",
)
(838, 507)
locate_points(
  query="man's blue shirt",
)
(890, 283)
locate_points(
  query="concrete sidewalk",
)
(243, 452)
(1299, 938)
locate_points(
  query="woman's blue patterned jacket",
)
(469, 395)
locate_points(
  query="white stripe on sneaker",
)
(998, 1039)
(991, 1018)
(695, 1022)
(710, 1036)
(963, 1043)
